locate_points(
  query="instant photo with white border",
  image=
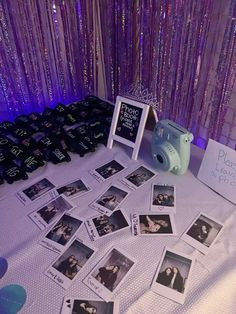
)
(50, 211)
(75, 305)
(149, 224)
(107, 170)
(163, 198)
(109, 200)
(37, 190)
(74, 188)
(203, 232)
(62, 233)
(173, 275)
(116, 261)
(68, 265)
(103, 226)
(138, 177)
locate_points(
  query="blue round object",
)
(12, 299)
(3, 266)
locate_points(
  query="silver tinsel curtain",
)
(180, 56)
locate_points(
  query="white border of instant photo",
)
(164, 209)
(51, 193)
(39, 221)
(100, 178)
(55, 246)
(132, 186)
(196, 244)
(57, 276)
(166, 291)
(99, 288)
(77, 194)
(135, 224)
(104, 210)
(92, 230)
(70, 301)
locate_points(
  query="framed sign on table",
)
(128, 123)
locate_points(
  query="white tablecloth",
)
(213, 285)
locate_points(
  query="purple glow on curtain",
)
(46, 54)
(182, 52)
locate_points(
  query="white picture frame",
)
(136, 114)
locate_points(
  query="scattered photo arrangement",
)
(62, 233)
(108, 170)
(109, 200)
(83, 306)
(45, 215)
(163, 198)
(101, 226)
(153, 224)
(109, 273)
(138, 177)
(173, 275)
(203, 233)
(74, 189)
(35, 191)
(67, 266)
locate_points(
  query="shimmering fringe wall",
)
(182, 53)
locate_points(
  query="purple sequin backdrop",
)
(181, 51)
(46, 54)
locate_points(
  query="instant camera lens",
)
(160, 159)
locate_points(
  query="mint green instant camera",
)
(171, 147)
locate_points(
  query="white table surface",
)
(213, 284)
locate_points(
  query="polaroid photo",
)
(45, 215)
(163, 198)
(108, 275)
(65, 269)
(102, 226)
(62, 233)
(173, 275)
(106, 171)
(153, 224)
(80, 306)
(203, 233)
(35, 191)
(138, 177)
(74, 189)
(109, 200)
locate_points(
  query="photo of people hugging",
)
(163, 195)
(174, 271)
(151, 224)
(73, 259)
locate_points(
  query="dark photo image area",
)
(112, 270)
(105, 224)
(73, 259)
(204, 230)
(64, 230)
(174, 271)
(153, 224)
(73, 188)
(94, 307)
(54, 209)
(109, 169)
(140, 176)
(38, 189)
(163, 195)
(112, 198)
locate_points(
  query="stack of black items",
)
(31, 140)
